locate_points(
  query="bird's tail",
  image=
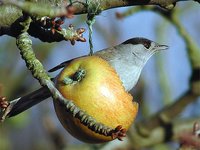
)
(27, 101)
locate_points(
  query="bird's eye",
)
(147, 45)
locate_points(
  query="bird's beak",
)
(161, 47)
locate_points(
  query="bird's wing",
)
(29, 100)
(102, 53)
(62, 65)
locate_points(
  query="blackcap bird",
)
(127, 58)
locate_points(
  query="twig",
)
(161, 134)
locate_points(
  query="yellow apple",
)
(94, 86)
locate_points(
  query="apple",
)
(94, 86)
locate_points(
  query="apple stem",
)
(77, 77)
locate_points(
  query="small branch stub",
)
(3, 103)
(196, 129)
(118, 133)
(77, 77)
(191, 141)
(4, 108)
(71, 35)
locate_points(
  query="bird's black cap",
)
(139, 40)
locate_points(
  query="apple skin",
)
(100, 94)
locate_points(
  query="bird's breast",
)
(129, 74)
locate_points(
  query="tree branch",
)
(81, 6)
(166, 115)
(45, 35)
(8, 13)
(163, 133)
(190, 140)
